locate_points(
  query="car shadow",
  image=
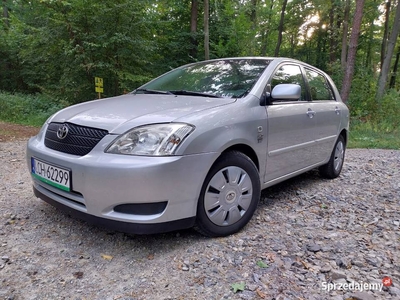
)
(289, 187)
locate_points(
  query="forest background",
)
(51, 50)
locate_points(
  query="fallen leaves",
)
(238, 287)
(305, 264)
(270, 257)
(78, 275)
(107, 257)
(262, 264)
(260, 294)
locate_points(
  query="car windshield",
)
(231, 78)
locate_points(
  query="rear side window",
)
(289, 74)
(319, 86)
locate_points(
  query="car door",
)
(291, 126)
(327, 113)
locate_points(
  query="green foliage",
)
(58, 47)
(233, 33)
(377, 126)
(238, 287)
(28, 109)
(262, 264)
(388, 115)
(361, 100)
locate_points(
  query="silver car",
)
(193, 147)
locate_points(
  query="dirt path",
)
(12, 132)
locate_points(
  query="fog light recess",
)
(143, 209)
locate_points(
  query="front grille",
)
(78, 140)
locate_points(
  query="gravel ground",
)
(307, 235)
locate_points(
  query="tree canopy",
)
(57, 47)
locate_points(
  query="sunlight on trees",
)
(58, 47)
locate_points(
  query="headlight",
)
(157, 140)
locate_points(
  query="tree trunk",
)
(206, 30)
(193, 28)
(351, 56)
(320, 50)
(385, 32)
(370, 43)
(346, 17)
(388, 57)
(253, 15)
(332, 40)
(265, 32)
(395, 68)
(6, 17)
(280, 28)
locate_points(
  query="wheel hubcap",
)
(228, 196)
(339, 156)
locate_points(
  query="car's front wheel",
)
(333, 168)
(229, 195)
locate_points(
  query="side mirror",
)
(264, 100)
(286, 91)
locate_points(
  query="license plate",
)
(51, 174)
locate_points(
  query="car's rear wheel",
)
(229, 195)
(333, 168)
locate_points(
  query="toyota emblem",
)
(62, 132)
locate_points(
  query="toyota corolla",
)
(193, 147)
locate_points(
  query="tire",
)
(229, 195)
(334, 166)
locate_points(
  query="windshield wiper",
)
(242, 94)
(192, 93)
(148, 91)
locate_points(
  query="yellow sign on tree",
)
(98, 83)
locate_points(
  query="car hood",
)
(119, 114)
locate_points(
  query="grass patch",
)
(30, 110)
(374, 124)
(374, 136)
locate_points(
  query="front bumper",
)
(119, 225)
(101, 182)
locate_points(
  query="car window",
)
(225, 78)
(289, 74)
(319, 86)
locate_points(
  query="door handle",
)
(310, 113)
(337, 110)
